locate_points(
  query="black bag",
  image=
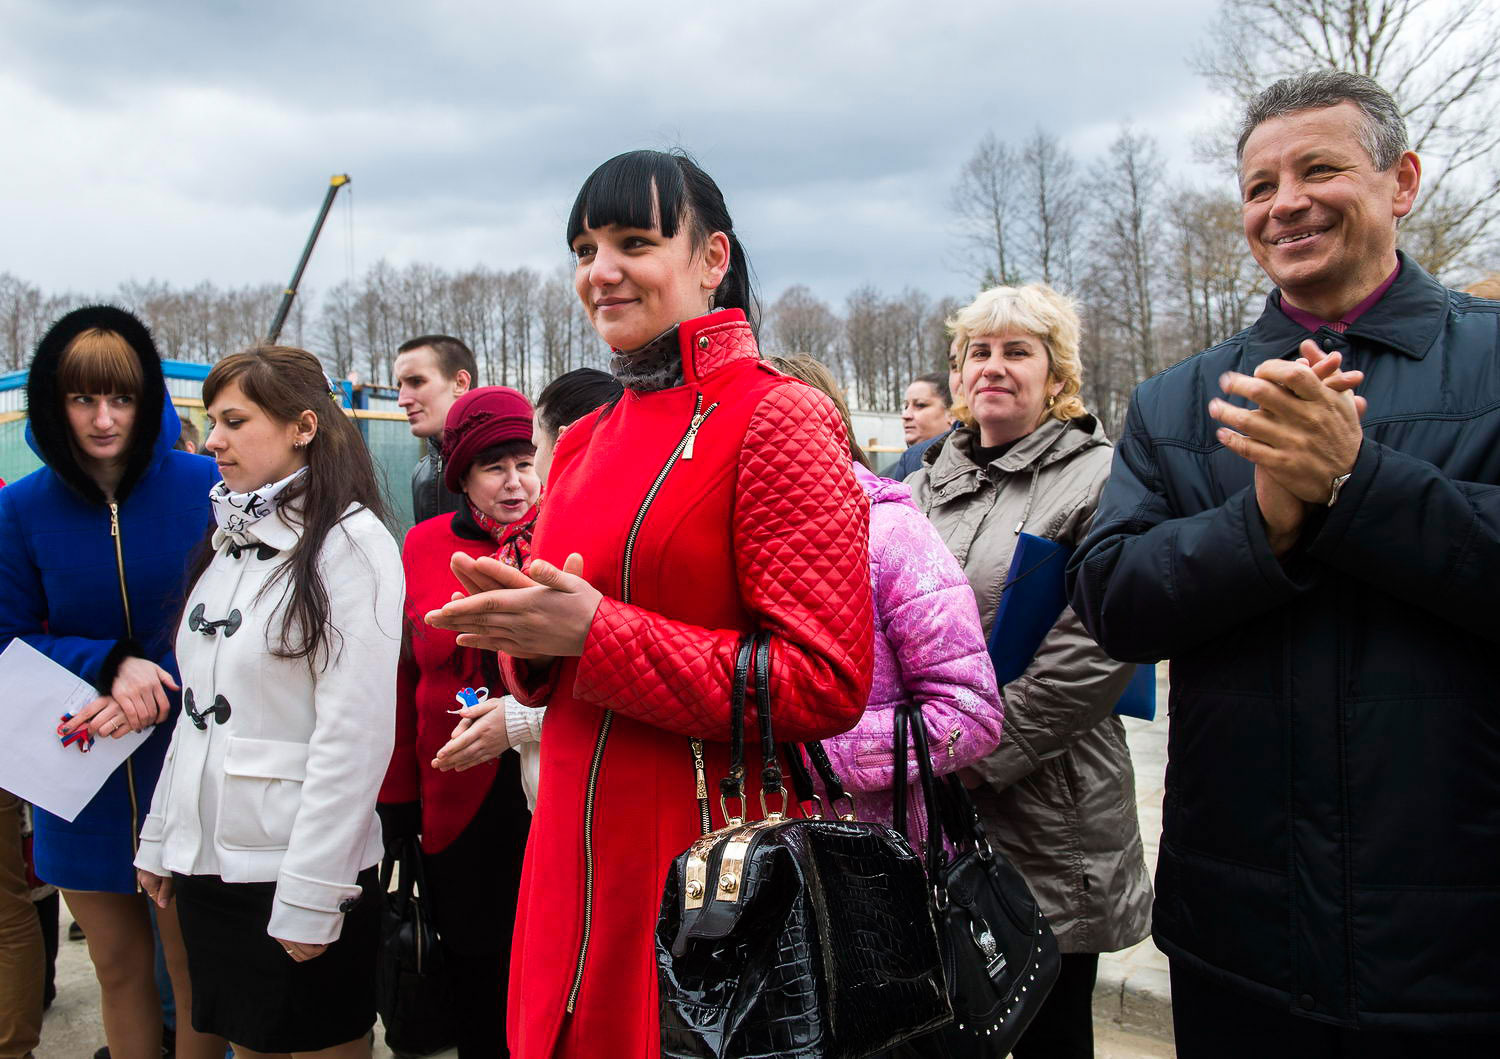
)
(999, 956)
(810, 938)
(411, 991)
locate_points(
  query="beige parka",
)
(1059, 793)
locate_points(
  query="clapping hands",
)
(542, 614)
(1304, 433)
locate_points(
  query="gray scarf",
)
(655, 366)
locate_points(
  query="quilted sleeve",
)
(801, 545)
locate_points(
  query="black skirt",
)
(247, 990)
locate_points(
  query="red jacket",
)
(755, 522)
(433, 668)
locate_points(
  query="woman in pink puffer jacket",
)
(929, 645)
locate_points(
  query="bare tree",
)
(1125, 267)
(1053, 209)
(801, 322)
(984, 201)
(1440, 59)
(25, 313)
(1214, 280)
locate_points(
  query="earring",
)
(298, 444)
(1051, 399)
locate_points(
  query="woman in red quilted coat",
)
(715, 497)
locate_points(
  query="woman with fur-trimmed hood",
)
(94, 550)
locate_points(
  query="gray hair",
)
(1383, 134)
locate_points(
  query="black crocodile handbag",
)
(999, 956)
(795, 937)
(412, 991)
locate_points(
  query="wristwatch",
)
(1338, 484)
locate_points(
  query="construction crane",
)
(336, 182)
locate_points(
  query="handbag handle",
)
(830, 778)
(935, 854)
(802, 784)
(898, 786)
(909, 717)
(732, 786)
(770, 772)
(409, 856)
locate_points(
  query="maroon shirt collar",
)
(1312, 323)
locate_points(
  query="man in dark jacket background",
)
(432, 371)
(1326, 588)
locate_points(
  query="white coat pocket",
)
(262, 791)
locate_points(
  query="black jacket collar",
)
(463, 524)
(44, 400)
(1408, 319)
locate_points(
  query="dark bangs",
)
(626, 191)
(504, 450)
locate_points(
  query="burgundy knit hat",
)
(482, 418)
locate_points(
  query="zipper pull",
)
(692, 434)
(952, 742)
(114, 519)
(698, 768)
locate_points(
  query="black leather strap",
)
(831, 783)
(796, 770)
(899, 758)
(770, 772)
(733, 785)
(408, 853)
(935, 853)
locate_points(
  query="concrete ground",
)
(1134, 991)
(1132, 1002)
(72, 1029)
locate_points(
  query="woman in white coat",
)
(263, 826)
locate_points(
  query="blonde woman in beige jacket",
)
(1058, 795)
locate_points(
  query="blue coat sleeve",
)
(23, 605)
(1424, 537)
(1150, 583)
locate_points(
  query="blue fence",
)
(385, 431)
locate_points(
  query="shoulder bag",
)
(412, 992)
(1000, 959)
(795, 937)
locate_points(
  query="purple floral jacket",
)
(929, 649)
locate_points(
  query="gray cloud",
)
(191, 141)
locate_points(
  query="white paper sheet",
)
(34, 765)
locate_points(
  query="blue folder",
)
(1030, 604)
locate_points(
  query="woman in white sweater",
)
(263, 826)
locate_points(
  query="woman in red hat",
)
(473, 822)
(715, 497)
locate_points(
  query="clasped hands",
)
(1304, 433)
(137, 699)
(481, 735)
(539, 615)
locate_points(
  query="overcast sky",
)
(192, 141)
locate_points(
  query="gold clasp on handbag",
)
(695, 872)
(732, 819)
(732, 864)
(773, 816)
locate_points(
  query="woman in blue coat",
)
(94, 552)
